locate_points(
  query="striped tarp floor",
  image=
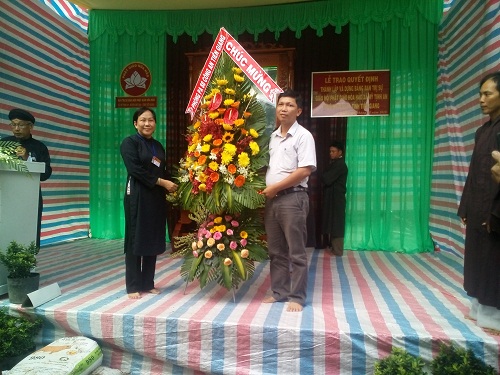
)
(359, 306)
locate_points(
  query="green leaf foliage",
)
(17, 334)
(19, 259)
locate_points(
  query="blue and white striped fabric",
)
(69, 11)
(358, 307)
(469, 48)
(44, 68)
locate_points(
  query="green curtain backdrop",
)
(390, 157)
(109, 125)
(383, 30)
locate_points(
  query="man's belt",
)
(294, 189)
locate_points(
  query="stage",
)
(358, 307)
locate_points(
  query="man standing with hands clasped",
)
(292, 159)
(477, 211)
(30, 149)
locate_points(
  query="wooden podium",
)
(18, 208)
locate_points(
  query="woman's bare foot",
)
(294, 307)
(154, 291)
(135, 295)
(269, 299)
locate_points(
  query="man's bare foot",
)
(154, 291)
(294, 307)
(135, 295)
(269, 299)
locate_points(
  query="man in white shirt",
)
(292, 159)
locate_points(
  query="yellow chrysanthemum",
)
(205, 147)
(207, 138)
(226, 157)
(238, 78)
(243, 159)
(254, 147)
(230, 148)
(192, 147)
(202, 187)
(202, 177)
(237, 70)
(218, 220)
(213, 166)
(197, 124)
(221, 82)
(230, 91)
(221, 228)
(214, 91)
(239, 122)
(196, 138)
(208, 97)
(213, 115)
(254, 133)
(227, 127)
(243, 234)
(228, 102)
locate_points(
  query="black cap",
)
(21, 114)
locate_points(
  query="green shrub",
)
(17, 334)
(451, 360)
(400, 362)
(458, 361)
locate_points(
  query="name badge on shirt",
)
(156, 161)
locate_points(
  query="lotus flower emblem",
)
(135, 80)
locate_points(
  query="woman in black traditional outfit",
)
(144, 203)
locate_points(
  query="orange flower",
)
(202, 159)
(221, 110)
(239, 181)
(215, 151)
(217, 142)
(247, 114)
(214, 176)
(219, 121)
(231, 168)
(197, 154)
(235, 104)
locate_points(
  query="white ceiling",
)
(175, 4)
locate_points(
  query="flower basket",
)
(219, 181)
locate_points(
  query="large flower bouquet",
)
(9, 158)
(219, 181)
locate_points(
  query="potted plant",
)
(400, 362)
(18, 337)
(20, 260)
(453, 359)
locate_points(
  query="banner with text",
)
(225, 43)
(350, 93)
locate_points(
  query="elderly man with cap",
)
(30, 149)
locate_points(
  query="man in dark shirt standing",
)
(30, 149)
